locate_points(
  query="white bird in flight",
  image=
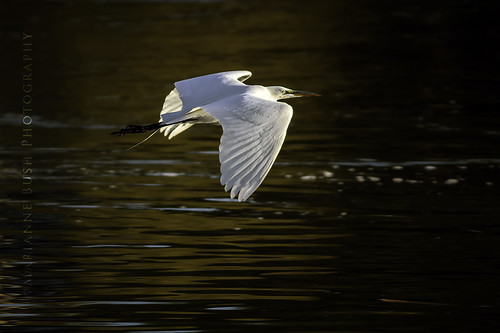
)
(254, 123)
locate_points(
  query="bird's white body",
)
(254, 123)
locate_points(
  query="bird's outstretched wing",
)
(253, 132)
(204, 89)
(172, 104)
(191, 93)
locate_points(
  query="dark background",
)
(379, 215)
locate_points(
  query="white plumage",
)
(254, 123)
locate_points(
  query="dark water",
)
(381, 213)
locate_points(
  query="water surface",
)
(380, 214)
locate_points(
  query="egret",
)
(254, 123)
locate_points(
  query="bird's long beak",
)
(300, 93)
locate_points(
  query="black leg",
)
(131, 129)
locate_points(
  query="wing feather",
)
(192, 93)
(171, 106)
(253, 132)
(236, 168)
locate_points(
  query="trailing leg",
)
(132, 129)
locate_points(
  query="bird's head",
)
(278, 93)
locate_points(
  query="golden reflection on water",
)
(183, 257)
(384, 190)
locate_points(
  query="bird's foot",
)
(131, 129)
